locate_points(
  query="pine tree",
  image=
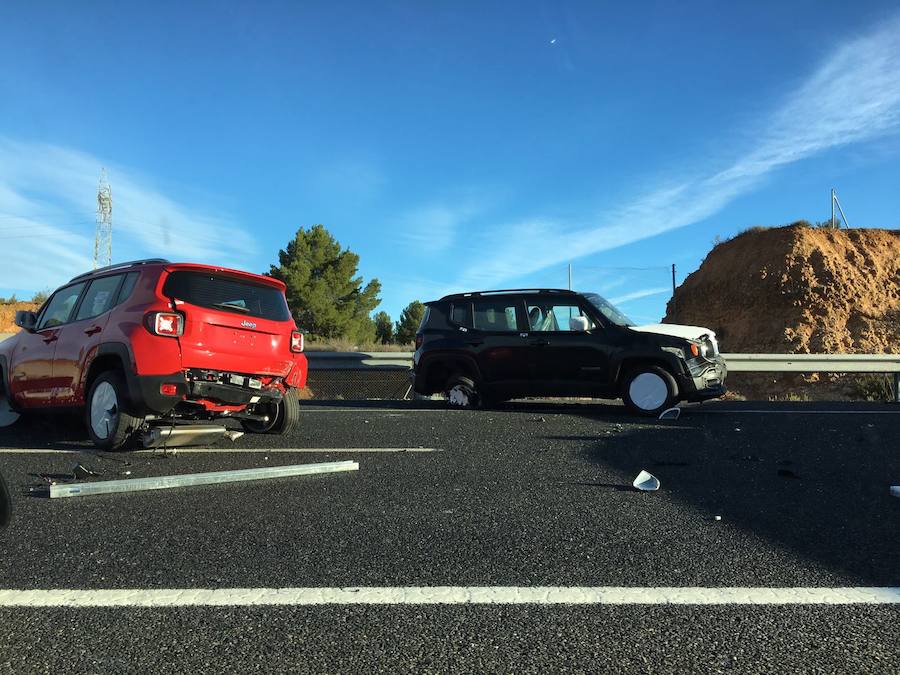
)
(410, 318)
(384, 328)
(323, 289)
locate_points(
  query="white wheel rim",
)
(648, 391)
(459, 395)
(104, 410)
(8, 416)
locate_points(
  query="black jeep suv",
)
(487, 347)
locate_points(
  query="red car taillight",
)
(167, 324)
(296, 341)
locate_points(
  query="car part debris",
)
(80, 471)
(895, 490)
(670, 413)
(190, 479)
(182, 436)
(718, 517)
(233, 435)
(646, 481)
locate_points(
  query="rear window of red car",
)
(227, 295)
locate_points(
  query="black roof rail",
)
(117, 266)
(505, 291)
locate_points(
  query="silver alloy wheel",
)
(460, 395)
(104, 410)
(8, 416)
(648, 391)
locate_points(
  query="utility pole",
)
(836, 201)
(674, 308)
(103, 235)
(832, 209)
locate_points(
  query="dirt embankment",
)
(8, 315)
(798, 289)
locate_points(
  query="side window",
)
(99, 297)
(128, 286)
(461, 314)
(59, 307)
(495, 315)
(555, 316)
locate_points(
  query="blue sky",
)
(454, 146)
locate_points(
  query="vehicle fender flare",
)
(623, 361)
(4, 376)
(117, 351)
(454, 363)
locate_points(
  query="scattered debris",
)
(737, 428)
(895, 490)
(233, 435)
(646, 481)
(185, 480)
(182, 435)
(80, 471)
(670, 413)
(718, 517)
(787, 473)
(542, 419)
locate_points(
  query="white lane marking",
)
(450, 595)
(215, 451)
(795, 412)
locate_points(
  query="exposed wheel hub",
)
(104, 410)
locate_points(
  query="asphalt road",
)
(528, 495)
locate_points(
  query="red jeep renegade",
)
(143, 343)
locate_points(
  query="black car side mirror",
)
(26, 320)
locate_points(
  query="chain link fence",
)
(340, 384)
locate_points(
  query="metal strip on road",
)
(216, 451)
(450, 595)
(792, 412)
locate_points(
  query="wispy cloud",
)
(637, 295)
(854, 96)
(432, 228)
(47, 205)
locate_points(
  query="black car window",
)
(227, 294)
(495, 315)
(99, 298)
(550, 316)
(461, 314)
(127, 287)
(59, 307)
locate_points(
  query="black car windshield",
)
(609, 310)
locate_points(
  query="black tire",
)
(5, 504)
(648, 390)
(113, 414)
(462, 392)
(284, 416)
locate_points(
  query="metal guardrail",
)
(737, 363)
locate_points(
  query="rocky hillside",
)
(798, 289)
(8, 315)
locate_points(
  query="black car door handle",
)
(50, 338)
(539, 343)
(476, 343)
(92, 330)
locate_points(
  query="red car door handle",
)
(539, 343)
(50, 338)
(93, 330)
